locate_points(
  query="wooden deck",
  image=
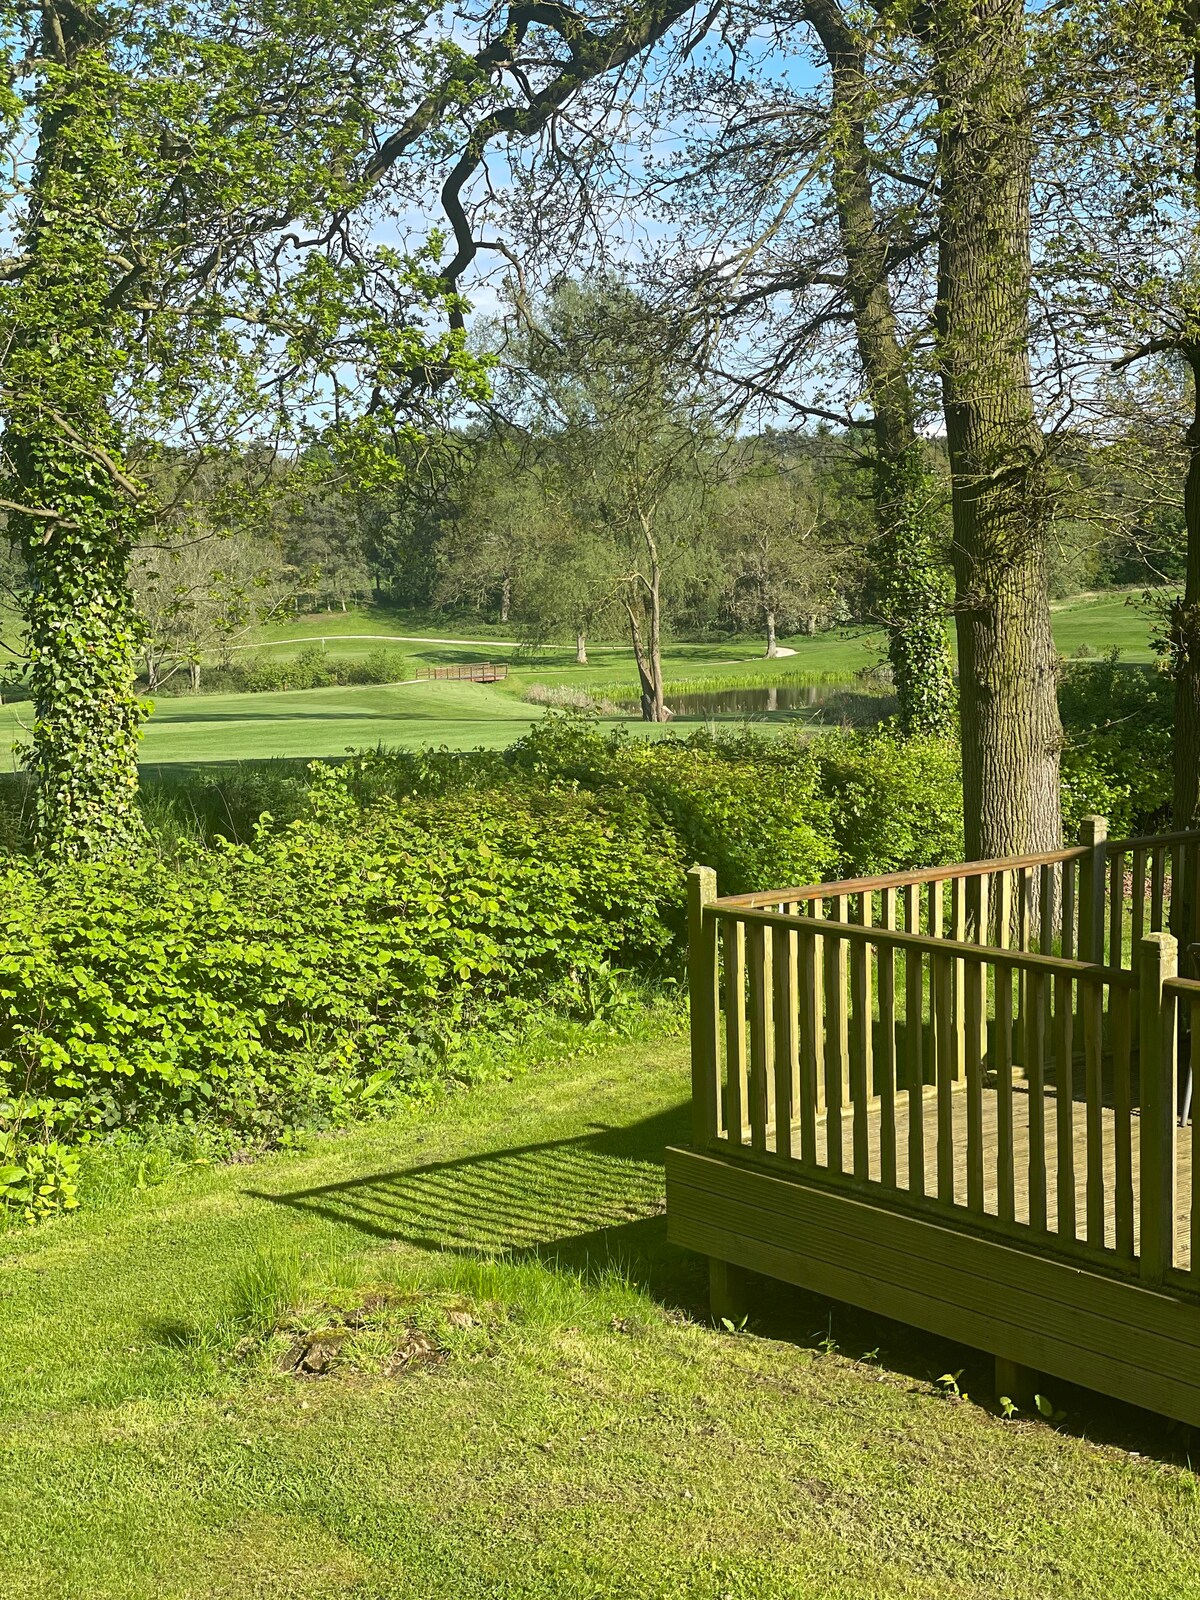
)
(1025, 1164)
(952, 1097)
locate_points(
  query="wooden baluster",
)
(1120, 1029)
(936, 908)
(1047, 908)
(737, 1111)
(1194, 1196)
(1093, 835)
(861, 1061)
(1158, 1074)
(1064, 1101)
(1005, 1156)
(1116, 910)
(812, 1043)
(1091, 1001)
(975, 995)
(1023, 908)
(704, 1007)
(762, 1019)
(837, 1044)
(1137, 905)
(1157, 870)
(885, 1067)
(1070, 874)
(947, 1069)
(958, 932)
(787, 1042)
(914, 1008)
(1035, 1074)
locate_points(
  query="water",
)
(778, 700)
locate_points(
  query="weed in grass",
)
(264, 1288)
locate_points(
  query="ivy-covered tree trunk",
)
(915, 591)
(1183, 635)
(1007, 664)
(63, 464)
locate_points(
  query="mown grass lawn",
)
(523, 1396)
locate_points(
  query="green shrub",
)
(1116, 761)
(893, 803)
(304, 977)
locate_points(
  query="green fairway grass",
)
(328, 722)
(570, 1426)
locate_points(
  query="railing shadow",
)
(584, 1203)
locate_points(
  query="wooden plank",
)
(787, 1041)
(861, 1058)
(1047, 908)
(936, 907)
(1035, 1074)
(812, 1043)
(761, 899)
(759, 951)
(704, 1006)
(1022, 961)
(1116, 909)
(837, 1043)
(958, 932)
(1064, 1103)
(1157, 874)
(1070, 877)
(914, 1052)
(944, 1244)
(1093, 836)
(1005, 1155)
(907, 1267)
(1158, 1075)
(975, 997)
(1091, 1005)
(947, 1069)
(737, 1109)
(1137, 905)
(1120, 1029)
(885, 1066)
(1194, 1196)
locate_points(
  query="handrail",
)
(900, 939)
(899, 880)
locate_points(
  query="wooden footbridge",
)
(961, 1097)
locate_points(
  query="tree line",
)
(974, 221)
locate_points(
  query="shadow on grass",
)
(584, 1203)
(595, 1201)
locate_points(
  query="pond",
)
(851, 701)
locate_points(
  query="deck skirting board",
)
(1117, 1336)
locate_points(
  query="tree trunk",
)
(1011, 733)
(915, 589)
(64, 451)
(194, 676)
(580, 648)
(648, 660)
(505, 599)
(151, 671)
(772, 643)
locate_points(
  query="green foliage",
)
(915, 594)
(1117, 759)
(894, 802)
(311, 668)
(310, 975)
(38, 1179)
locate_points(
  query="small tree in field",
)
(781, 572)
(627, 417)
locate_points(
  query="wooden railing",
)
(995, 1043)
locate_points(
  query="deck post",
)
(1016, 1383)
(728, 1291)
(1158, 1075)
(1093, 876)
(704, 1004)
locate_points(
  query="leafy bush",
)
(893, 803)
(312, 668)
(1116, 761)
(303, 977)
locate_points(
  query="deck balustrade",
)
(994, 1054)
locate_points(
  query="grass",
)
(328, 722)
(526, 1399)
